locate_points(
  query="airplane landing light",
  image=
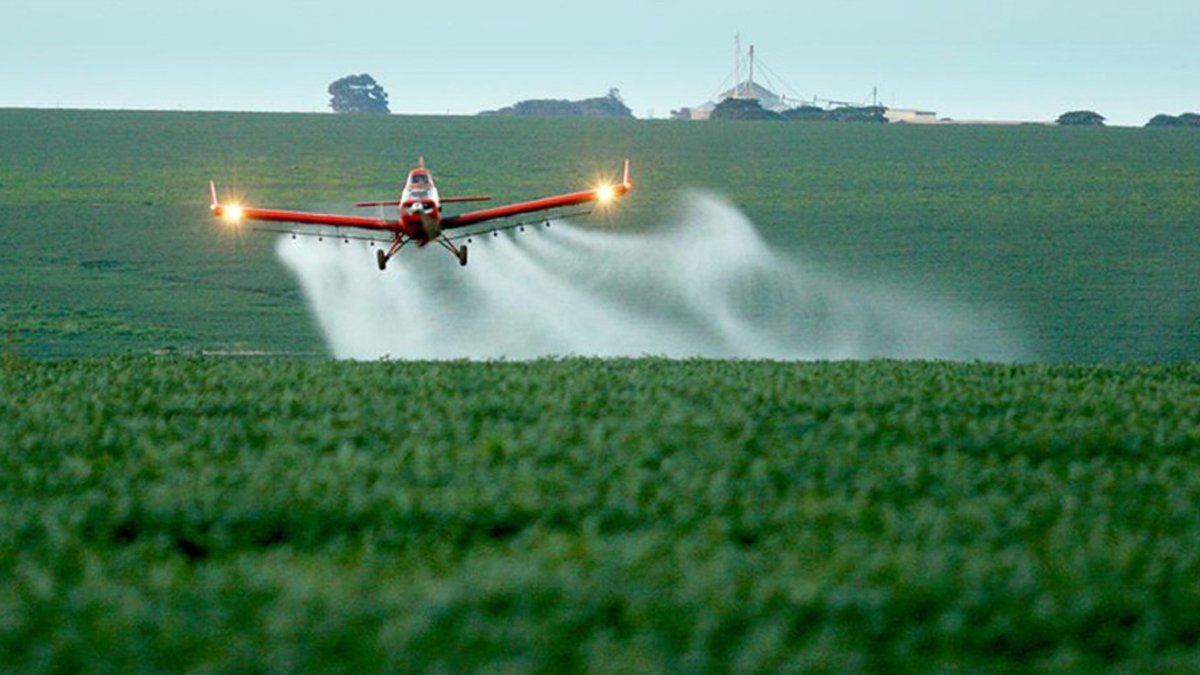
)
(233, 214)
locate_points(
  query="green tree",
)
(809, 113)
(806, 113)
(603, 106)
(1081, 118)
(1165, 121)
(742, 109)
(873, 114)
(358, 94)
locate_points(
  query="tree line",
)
(362, 94)
(1090, 118)
(356, 94)
(751, 109)
(1184, 120)
(601, 106)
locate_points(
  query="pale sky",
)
(966, 59)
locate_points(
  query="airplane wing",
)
(601, 195)
(236, 213)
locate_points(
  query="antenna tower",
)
(750, 85)
(737, 65)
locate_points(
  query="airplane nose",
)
(421, 208)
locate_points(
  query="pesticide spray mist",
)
(703, 285)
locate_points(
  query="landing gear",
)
(459, 252)
(383, 258)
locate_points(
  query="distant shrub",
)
(808, 113)
(1165, 121)
(1184, 120)
(873, 114)
(601, 106)
(742, 109)
(1081, 118)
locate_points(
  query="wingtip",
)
(212, 195)
(627, 180)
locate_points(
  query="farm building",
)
(908, 116)
(768, 99)
(749, 89)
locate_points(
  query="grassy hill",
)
(169, 513)
(1085, 238)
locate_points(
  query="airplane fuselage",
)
(420, 207)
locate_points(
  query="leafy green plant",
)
(12, 360)
(242, 513)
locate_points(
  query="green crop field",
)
(1084, 240)
(164, 511)
(171, 514)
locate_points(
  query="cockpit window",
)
(420, 179)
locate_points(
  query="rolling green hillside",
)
(171, 513)
(1084, 239)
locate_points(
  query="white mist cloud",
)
(703, 285)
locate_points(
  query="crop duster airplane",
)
(420, 219)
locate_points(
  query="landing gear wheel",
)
(381, 258)
(462, 255)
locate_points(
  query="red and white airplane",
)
(421, 220)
